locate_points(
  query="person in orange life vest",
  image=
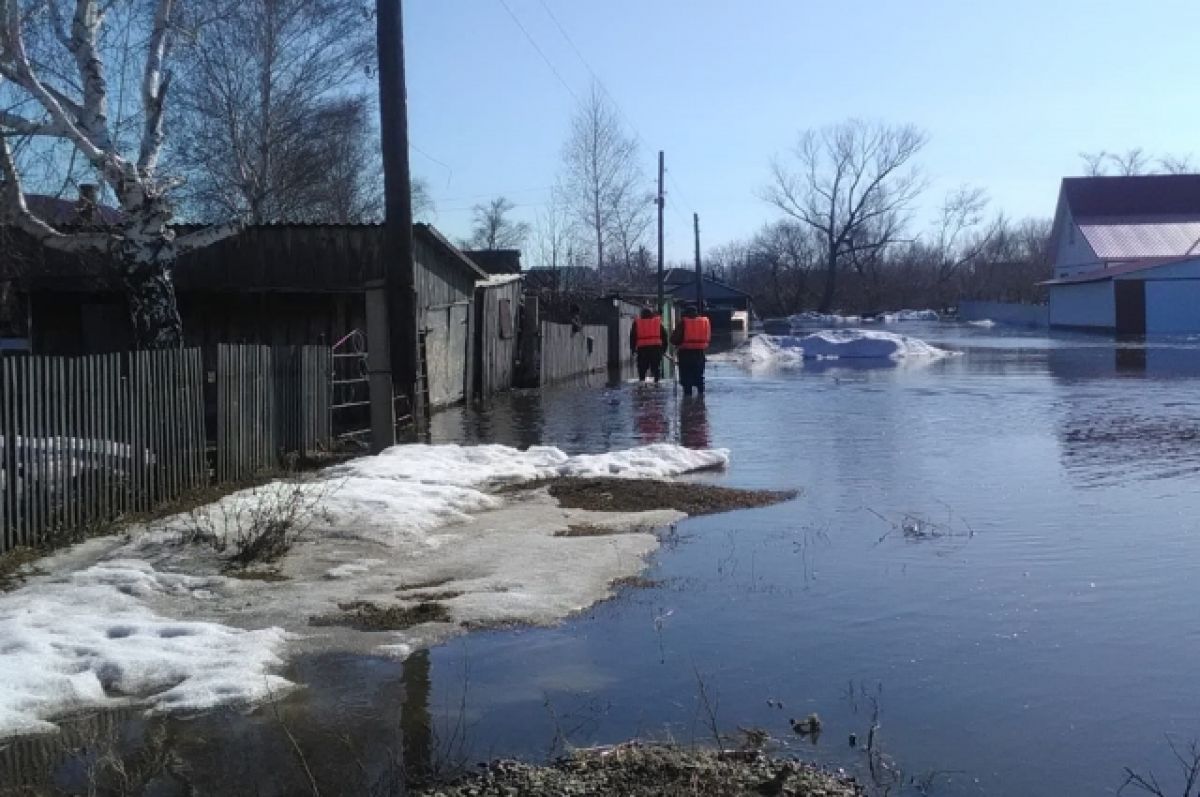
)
(691, 340)
(648, 340)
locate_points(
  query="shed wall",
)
(1086, 305)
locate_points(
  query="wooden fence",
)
(567, 351)
(85, 440)
(270, 399)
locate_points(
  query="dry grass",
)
(643, 495)
(368, 616)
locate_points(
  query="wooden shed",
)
(499, 321)
(273, 283)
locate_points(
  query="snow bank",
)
(910, 315)
(103, 629)
(764, 350)
(865, 343)
(409, 490)
(811, 318)
(87, 641)
(831, 344)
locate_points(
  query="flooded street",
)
(993, 556)
(1035, 636)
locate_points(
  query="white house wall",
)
(1085, 304)
(1074, 253)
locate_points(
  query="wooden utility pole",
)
(661, 202)
(699, 277)
(398, 281)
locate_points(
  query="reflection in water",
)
(693, 423)
(361, 725)
(1122, 416)
(417, 726)
(649, 414)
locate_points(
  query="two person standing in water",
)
(648, 339)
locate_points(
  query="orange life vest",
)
(697, 333)
(648, 331)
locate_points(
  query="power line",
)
(446, 166)
(571, 42)
(534, 44)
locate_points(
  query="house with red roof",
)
(1127, 254)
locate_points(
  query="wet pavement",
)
(993, 557)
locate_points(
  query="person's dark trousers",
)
(691, 370)
(649, 360)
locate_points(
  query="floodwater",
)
(994, 558)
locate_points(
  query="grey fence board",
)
(86, 439)
(271, 400)
(567, 352)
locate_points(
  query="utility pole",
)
(661, 202)
(398, 363)
(699, 277)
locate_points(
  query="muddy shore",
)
(636, 770)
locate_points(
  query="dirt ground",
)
(640, 495)
(633, 770)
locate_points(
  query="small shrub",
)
(261, 523)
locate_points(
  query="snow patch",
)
(910, 315)
(810, 318)
(986, 323)
(352, 568)
(831, 344)
(865, 343)
(103, 628)
(764, 350)
(87, 641)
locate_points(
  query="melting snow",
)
(102, 629)
(831, 344)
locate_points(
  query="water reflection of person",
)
(693, 423)
(649, 416)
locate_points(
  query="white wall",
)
(1086, 304)
(1172, 306)
(1074, 253)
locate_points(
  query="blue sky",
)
(1009, 92)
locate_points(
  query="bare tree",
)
(1095, 164)
(1176, 164)
(601, 175)
(54, 65)
(347, 188)
(846, 179)
(1188, 761)
(555, 237)
(1134, 161)
(494, 229)
(958, 239)
(265, 101)
(423, 206)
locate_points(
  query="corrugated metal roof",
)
(1127, 240)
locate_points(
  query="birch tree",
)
(54, 67)
(267, 115)
(601, 178)
(853, 184)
